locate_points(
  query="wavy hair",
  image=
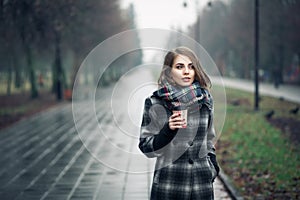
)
(200, 75)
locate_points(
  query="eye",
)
(179, 66)
(191, 67)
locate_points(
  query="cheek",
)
(193, 74)
(174, 73)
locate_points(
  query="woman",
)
(186, 164)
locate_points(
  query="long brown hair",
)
(200, 74)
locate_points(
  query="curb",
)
(229, 186)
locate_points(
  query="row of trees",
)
(227, 32)
(53, 36)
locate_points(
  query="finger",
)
(173, 127)
(176, 124)
(177, 119)
(174, 115)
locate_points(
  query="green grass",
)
(21, 110)
(15, 110)
(258, 157)
(14, 90)
(25, 86)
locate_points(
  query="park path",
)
(47, 157)
(284, 91)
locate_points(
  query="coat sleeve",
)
(211, 134)
(155, 132)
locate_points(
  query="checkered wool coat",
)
(183, 168)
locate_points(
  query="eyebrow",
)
(183, 64)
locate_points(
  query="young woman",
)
(186, 163)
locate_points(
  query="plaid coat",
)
(183, 168)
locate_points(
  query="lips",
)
(186, 79)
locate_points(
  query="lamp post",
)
(197, 24)
(197, 29)
(256, 54)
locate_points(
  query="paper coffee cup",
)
(183, 114)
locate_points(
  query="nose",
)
(186, 70)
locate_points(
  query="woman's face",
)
(183, 72)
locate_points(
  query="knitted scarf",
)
(176, 97)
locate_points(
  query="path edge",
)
(233, 192)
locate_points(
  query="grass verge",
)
(259, 157)
(20, 105)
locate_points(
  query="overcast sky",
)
(168, 14)
(165, 14)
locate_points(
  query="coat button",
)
(191, 161)
(190, 143)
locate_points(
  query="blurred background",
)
(44, 42)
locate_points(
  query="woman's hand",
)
(176, 121)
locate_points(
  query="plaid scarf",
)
(178, 97)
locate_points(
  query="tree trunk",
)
(32, 78)
(18, 78)
(9, 80)
(76, 65)
(58, 68)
